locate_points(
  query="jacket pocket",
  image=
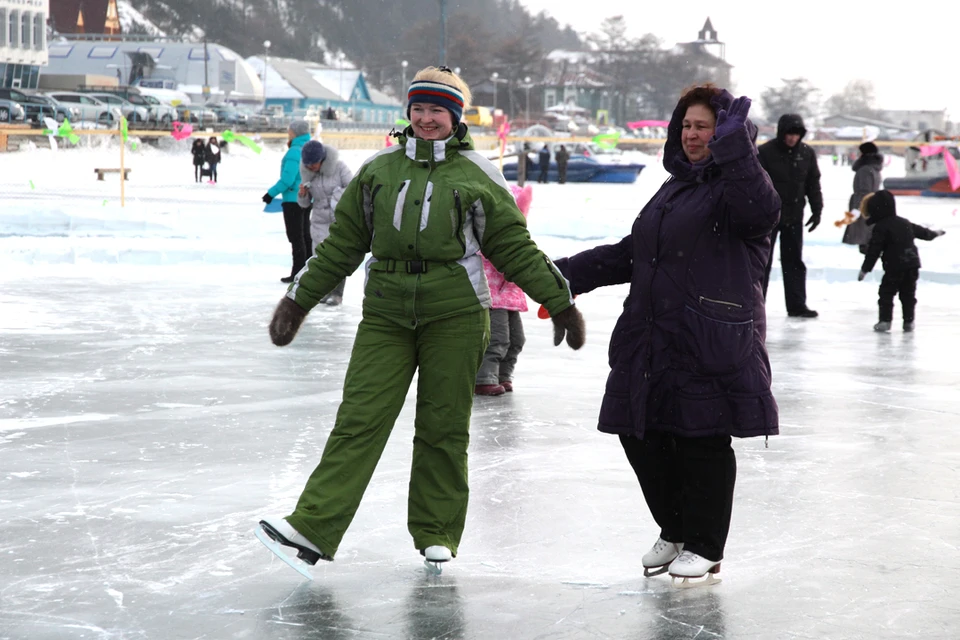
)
(714, 338)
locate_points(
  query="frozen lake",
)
(147, 423)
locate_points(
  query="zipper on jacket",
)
(553, 270)
(374, 195)
(459, 229)
(723, 302)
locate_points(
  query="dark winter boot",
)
(882, 326)
(908, 326)
(489, 390)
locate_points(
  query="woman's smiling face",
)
(430, 121)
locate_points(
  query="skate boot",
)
(659, 557)
(882, 326)
(435, 556)
(489, 390)
(689, 565)
(276, 533)
(908, 326)
(507, 386)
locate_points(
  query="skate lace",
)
(661, 545)
(686, 557)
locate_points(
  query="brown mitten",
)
(287, 318)
(569, 322)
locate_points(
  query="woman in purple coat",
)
(689, 368)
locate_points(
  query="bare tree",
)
(856, 99)
(796, 95)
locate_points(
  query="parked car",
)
(130, 111)
(478, 116)
(91, 109)
(228, 114)
(11, 111)
(196, 114)
(35, 110)
(161, 113)
(62, 111)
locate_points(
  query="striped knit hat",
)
(444, 95)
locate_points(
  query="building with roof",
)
(200, 70)
(706, 56)
(299, 84)
(23, 42)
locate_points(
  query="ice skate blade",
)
(433, 568)
(277, 550)
(650, 572)
(680, 582)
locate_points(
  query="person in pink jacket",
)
(506, 328)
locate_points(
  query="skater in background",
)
(212, 156)
(563, 157)
(792, 166)
(323, 178)
(892, 239)
(689, 366)
(295, 219)
(544, 163)
(199, 152)
(507, 301)
(425, 311)
(866, 179)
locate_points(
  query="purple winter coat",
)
(687, 356)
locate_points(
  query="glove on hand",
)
(569, 322)
(734, 118)
(940, 233)
(287, 318)
(861, 276)
(267, 198)
(813, 222)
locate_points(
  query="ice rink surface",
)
(147, 423)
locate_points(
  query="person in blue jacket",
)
(296, 220)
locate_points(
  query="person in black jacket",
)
(212, 155)
(544, 163)
(792, 166)
(198, 150)
(563, 157)
(893, 240)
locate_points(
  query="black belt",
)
(408, 266)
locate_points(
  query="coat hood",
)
(328, 168)
(878, 206)
(867, 160)
(790, 123)
(675, 160)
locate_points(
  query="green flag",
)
(230, 136)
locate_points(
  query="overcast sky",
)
(909, 50)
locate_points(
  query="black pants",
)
(562, 170)
(297, 222)
(791, 263)
(688, 485)
(543, 174)
(197, 169)
(903, 283)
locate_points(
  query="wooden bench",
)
(100, 172)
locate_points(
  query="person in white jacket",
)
(323, 177)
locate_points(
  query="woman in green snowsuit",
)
(424, 208)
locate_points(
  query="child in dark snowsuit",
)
(893, 239)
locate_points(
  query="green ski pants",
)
(385, 356)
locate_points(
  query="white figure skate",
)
(277, 533)
(658, 559)
(435, 556)
(689, 566)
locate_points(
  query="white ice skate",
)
(659, 557)
(277, 533)
(689, 566)
(435, 556)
